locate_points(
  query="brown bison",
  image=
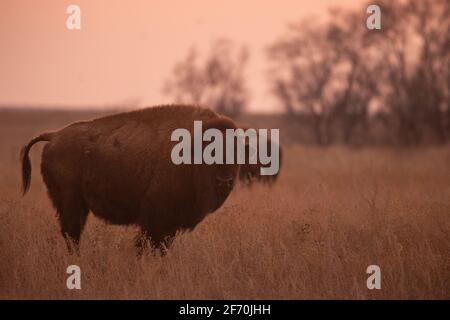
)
(251, 173)
(119, 167)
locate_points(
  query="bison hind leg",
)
(62, 174)
(72, 214)
(72, 219)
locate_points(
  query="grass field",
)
(332, 213)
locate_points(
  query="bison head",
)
(217, 180)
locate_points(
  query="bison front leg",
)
(157, 223)
(159, 242)
(141, 243)
(162, 244)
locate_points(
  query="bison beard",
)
(119, 168)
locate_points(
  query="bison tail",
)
(25, 159)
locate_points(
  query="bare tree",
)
(414, 51)
(336, 70)
(217, 81)
(320, 71)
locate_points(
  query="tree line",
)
(340, 78)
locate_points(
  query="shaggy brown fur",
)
(119, 167)
(251, 173)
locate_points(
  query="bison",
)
(119, 168)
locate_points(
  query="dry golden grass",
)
(334, 212)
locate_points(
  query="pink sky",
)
(126, 49)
